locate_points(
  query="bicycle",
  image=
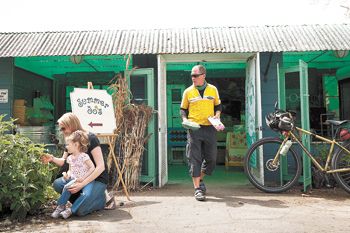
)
(273, 165)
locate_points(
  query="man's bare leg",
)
(196, 180)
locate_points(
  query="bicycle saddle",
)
(337, 123)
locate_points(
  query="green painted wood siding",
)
(6, 82)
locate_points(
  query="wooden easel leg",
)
(122, 169)
(120, 175)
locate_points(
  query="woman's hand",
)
(46, 158)
(76, 187)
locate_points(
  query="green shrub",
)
(23, 178)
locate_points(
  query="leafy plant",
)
(23, 178)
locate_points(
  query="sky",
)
(68, 15)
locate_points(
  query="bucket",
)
(38, 134)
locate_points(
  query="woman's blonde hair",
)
(81, 137)
(71, 121)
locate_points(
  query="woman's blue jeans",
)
(91, 198)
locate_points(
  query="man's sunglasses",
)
(195, 75)
(62, 128)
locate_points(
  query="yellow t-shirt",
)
(199, 109)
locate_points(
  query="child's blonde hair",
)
(81, 137)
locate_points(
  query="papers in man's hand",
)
(190, 125)
(218, 125)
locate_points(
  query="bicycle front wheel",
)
(340, 161)
(269, 177)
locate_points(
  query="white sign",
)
(4, 95)
(94, 109)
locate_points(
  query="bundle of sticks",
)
(131, 127)
(134, 137)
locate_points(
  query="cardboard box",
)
(237, 152)
(20, 113)
(236, 147)
(236, 139)
(19, 102)
(234, 162)
(177, 155)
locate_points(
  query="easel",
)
(111, 138)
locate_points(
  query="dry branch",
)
(131, 128)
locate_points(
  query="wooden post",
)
(89, 85)
(111, 138)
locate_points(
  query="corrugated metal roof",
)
(177, 41)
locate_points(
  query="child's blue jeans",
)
(92, 196)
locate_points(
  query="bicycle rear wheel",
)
(263, 174)
(339, 161)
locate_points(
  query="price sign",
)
(4, 95)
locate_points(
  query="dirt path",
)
(227, 209)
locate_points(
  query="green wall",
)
(76, 79)
(6, 82)
(25, 83)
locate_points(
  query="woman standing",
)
(94, 197)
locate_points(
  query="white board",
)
(94, 109)
(4, 95)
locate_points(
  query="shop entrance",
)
(230, 83)
(229, 76)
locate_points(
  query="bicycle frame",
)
(332, 143)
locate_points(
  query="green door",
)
(174, 96)
(141, 84)
(253, 111)
(253, 100)
(290, 97)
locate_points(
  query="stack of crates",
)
(236, 146)
(177, 155)
(177, 139)
(19, 111)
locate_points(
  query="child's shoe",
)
(58, 210)
(67, 213)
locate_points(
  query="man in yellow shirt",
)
(200, 101)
